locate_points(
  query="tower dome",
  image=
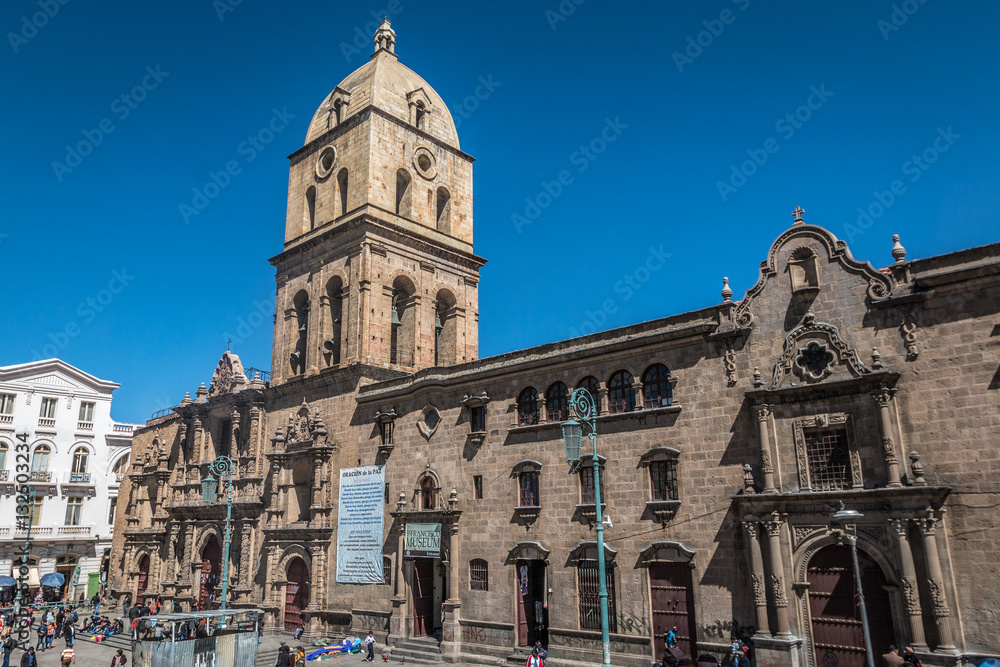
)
(391, 87)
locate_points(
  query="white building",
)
(77, 457)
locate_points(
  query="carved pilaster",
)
(766, 467)
(935, 578)
(752, 533)
(900, 529)
(883, 397)
(776, 578)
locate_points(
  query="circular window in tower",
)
(424, 162)
(325, 162)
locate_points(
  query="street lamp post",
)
(582, 403)
(848, 519)
(221, 467)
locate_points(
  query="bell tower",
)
(378, 265)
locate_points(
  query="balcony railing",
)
(257, 374)
(85, 426)
(46, 423)
(73, 530)
(35, 530)
(123, 428)
(79, 478)
(4, 475)
(40, 476)
(161, 413)
(6, 419)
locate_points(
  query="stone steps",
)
(417, 651)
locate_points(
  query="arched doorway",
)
(838, 638)
(211, 574)
(143, 581)
(296, 594)
(65, 565)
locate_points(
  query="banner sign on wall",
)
(423, 540)
(360, 517)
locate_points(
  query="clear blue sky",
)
(686, 113)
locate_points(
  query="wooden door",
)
(211, 574)
(531, 616)
(140, 588)
(296, 594)
(423, 597)
(673, 606)
(838, 638)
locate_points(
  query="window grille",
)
(385, 432)
(829, 460)
(663, 475)
(479, 575)
(590, 600)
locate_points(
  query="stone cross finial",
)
(898, 251)
(727, 293)
(385, 37)
(797, 214)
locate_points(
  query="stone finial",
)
(898, 251)
(187, 398)
(727, 293)
(917, 468)
(797, 215)
(757, 381)
(876, 359)
(748, 480)
(385, 37)
(201, 393)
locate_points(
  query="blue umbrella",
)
(52, 580)
(7, 581)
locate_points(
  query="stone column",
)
(453, 571)
(602, 400)
(883, 396)
(935, 581)
(909, 582)
(451, 629)
(172, 552)
(640, 400)
(757, 576)
(398, 588)
(780, 600)
(766, 467)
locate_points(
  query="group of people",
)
(50, 626)
(892, 658)
(287, 659)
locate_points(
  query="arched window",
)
(121, 468)
(309, 210)
(527, 407)
(557, 402)
(656, 389)
(3, 456)
(335, 297)
(443, 210)
(342, 186)
(81, 458)
(621, 395)
(338, 108)
(421, 115)
(479, 575)
(593, 388)
(403, 193)
(402, 332)
(298, 355)
(427, 493)
(40, 459)
(301, 498)
(528, 476)
(445, 338)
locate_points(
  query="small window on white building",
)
(74, 508)
(86, 412)
(3, 455)
(6, 404)
(40, 459)
(112, 506)
(48, 410)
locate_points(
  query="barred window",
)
(621, 395)
(528, 483)
(387, 571)
(479, 575)
(557, 402)
(478, 419)
(663, 476)
(385, 429)
(656, 388)
(527, 407)
(590, 599)
(829, 460)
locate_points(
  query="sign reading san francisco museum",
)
(360, 517)
(423, 540)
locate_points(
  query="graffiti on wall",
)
(727, 629)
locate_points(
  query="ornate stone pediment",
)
(228, 377)
(814, 351)
(304, 425)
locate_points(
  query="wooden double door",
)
(532, 616)
(672, 592)
(838, 637)
(296, 594)
(423, 597)
(211, 574)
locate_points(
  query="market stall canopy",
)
(53, 579)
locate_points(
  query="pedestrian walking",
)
(67, 657)
(40, 633)
(60, 620)
(7, 647)
(50, 635)
(284, 657)
(69, 632)
(370, 644)
(96, 601)
(28, 658)
(119, 659)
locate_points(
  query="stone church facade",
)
(728, 436)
